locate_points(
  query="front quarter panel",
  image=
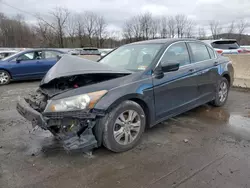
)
(137, 90)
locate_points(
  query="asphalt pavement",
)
(206, 147)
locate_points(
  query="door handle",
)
(216, 63)
(191, 70)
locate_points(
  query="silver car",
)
(225, 46)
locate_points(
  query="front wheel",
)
(4, 77)
(221, 93)
(124, 126)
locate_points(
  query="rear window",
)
(90, 52)
(225, 45)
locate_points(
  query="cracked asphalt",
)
(205, 147)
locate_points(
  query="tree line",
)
(75, 30)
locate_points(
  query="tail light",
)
(240, 51)
(219, 51)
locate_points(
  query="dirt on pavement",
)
(205, 147)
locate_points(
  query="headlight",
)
(79, 102)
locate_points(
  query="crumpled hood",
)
(69, 65)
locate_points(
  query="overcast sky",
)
(116, 11)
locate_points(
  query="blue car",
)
(28, 64)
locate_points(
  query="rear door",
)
(49, 60)
(176, 91)
(205, 62)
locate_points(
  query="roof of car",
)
(165, 40)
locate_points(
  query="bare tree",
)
(146, 21)
(163, 27)
(231, 29)
(241, 27)
(71, 28)
(181, 22)
(215, 28)
(171, 23)
(128, 31)
(60, 17)
(154, 28)
(189, 28)
(89, 21)
(101, 32)
(201, 33)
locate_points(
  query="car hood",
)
(69, 65)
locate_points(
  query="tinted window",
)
(225, 45)
(31, 56)
(200, 52)
(177, 52)
(51, 54)
(211, 52)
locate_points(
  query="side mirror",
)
(18, 60)
(170, 66)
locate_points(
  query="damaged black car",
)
(87, 104)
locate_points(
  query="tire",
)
(219, 99)
(4, 77)
(127, 134)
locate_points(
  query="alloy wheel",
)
(127, 127)
(223, 90)
(4, 78)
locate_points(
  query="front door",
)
(176, 91)
(27, 65)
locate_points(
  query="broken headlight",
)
(79, 102)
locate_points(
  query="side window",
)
(200, 52)
(31, 56)
(177, 52)
(211, 52)
(51, 54)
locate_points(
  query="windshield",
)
(135, 57)
(225, 45)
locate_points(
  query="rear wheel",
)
(221, 93)
(4, 77)
(124, 126)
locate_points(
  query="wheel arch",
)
(137, 98)
(7, 72)
(227, 76)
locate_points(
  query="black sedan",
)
(86, 104)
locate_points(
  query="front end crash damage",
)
(73, 127)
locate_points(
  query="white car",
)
(225, 46)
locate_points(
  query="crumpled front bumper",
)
(84, 140)
(30, 114)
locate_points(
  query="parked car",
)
(225, 46)
(86, 104)
(104, 51)
(6, 53)
(90, 51)
(76, 51)
(28, 64)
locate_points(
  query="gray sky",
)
(116, 11)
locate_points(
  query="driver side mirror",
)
(18, 60)
(167, 66)
(170, 66)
